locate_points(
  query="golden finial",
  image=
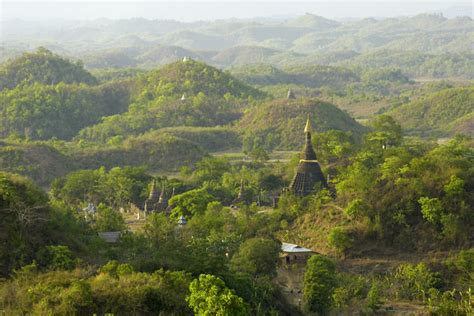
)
(308, 128)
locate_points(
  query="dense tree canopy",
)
(42, 66)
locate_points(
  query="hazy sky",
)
(201, 10)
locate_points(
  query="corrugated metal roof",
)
(286, 247)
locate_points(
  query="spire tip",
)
(308, 128)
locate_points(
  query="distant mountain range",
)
(225, 43)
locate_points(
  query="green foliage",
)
(373, 297)
(42, 66)
(431, 209)
(310, 76)
(334, 145)
(24, 211)
(355, 208)
(439, 113)
(389, 75)
(257, 257)
(259, 154)
(387, 132)
(284, 122)
(39, 111)
(113, 268)
(339, 239)
(350, 288)
(190, 203)
(108, 219)
(210, 296)
(116, 188)
(450, 302)
(462, 266)
(319, 284)
(393, 190)
(57, 258)
(77, 292)
(414, 281)
(418, 63)
(211, 97)
(210, 169)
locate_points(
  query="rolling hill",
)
(42, 66)
(439, 114)
(279, 124)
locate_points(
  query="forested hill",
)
(191, 78)
(279, 123)
(184, 93)
(42, 66)
(45, 96)
(443, 113)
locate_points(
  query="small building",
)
(291, 253)
(182, 221)
(109, 237)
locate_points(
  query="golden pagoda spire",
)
(308, 128)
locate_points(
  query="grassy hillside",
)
(208, 138)
(280, 123)
(439, 114)
(157, 152)
(40, 162)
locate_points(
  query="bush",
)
(319, 284)
(339, 239)
(349, 287)
(257, 256)
(116, 270)
(109, 220)
(451, 302)
(414, 281)
(210, 296)
(373, 297)
(57, 258)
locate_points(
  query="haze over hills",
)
(306, 39)
(151, 166)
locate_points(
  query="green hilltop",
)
(42, 66)
(279, 123)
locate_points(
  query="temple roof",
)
(308, 173)
(154, 196)
(308, 128)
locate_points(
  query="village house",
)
(291, 253)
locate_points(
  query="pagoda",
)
(156, 202)
(308, 175)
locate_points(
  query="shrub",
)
(115, 269)
(414, 281)
(210, 296)
(339, 239)
(57, 258)
(109, 219)
(319, 284)
(257, 256)
(373, 297)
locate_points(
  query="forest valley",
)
(392, 232)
